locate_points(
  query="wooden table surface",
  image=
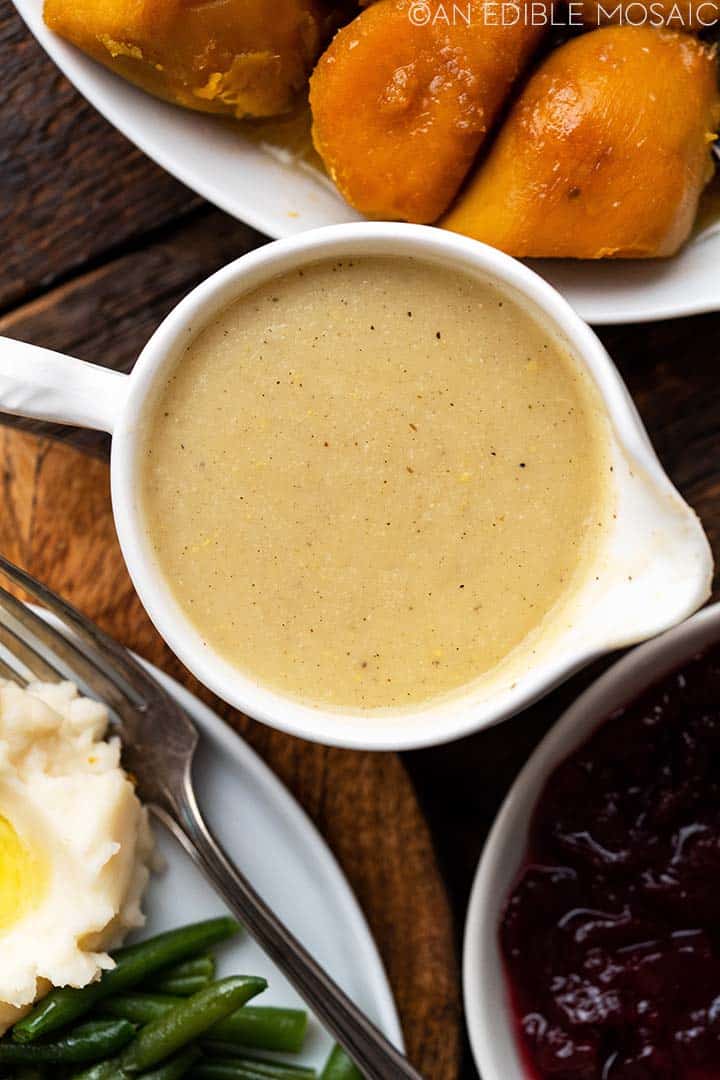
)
(98, 244)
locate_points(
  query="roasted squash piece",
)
(400, 108)
(237, 57)
(684, 15)
(604, 155)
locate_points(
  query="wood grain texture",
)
(71, 188)
(106, 314)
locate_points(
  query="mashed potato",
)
(75, 844)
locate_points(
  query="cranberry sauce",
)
(612, 934)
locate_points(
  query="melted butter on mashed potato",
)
(75, 844)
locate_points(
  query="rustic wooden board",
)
(79, 188)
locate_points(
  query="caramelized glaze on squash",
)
(605, 153)
(238, 57)
(400, 110)
(684, 15)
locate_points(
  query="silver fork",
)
(159, 741)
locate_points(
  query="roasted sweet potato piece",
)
(605, 153)
(238, 57)
(684, 15)
(401, 107)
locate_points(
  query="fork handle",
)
(374, 1055)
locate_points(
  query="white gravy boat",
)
(653, 570)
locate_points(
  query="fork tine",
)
(159, 738)
(18, 650)
(9, 673)
(111, 658)
(67, 659)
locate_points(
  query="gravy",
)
(368, 482)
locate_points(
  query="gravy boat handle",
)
(44, 385)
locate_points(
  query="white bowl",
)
(281, 196)
(652, 570)
(491, 1025)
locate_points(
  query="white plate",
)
(267, 833)
(279, 198)
(487, 999)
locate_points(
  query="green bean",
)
(172, 1069)
(198, 965)
(175, 1067)
(187, 1021)
(224, 1070)
(183, 986)
(185, 979)
(249, 1069)
(104, 1070)
(339, 1067)
(227, 1055)
(140, 1008)
(264, 1028)
(89, 1042)
(259, 1028)
(133, 965)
